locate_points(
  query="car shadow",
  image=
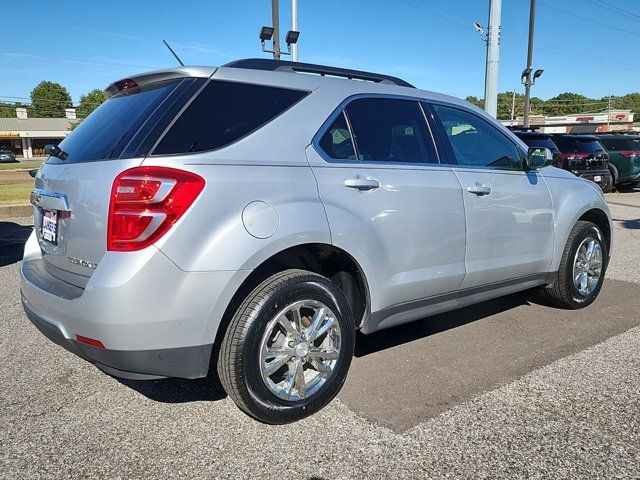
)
(408, 332)
(630, 224)
(13, 236)
(179, 390)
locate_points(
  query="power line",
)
(587, 19)
(614, 9)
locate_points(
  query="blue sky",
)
(591, 49)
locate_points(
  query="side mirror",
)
(538, 157)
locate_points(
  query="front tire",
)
(287, 350)
(582, 268)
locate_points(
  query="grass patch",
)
(17, 193)
(25, 164)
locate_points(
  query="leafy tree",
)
(567, 103)
(7, 110)
(90, 101)
(478, 102)
(49, 99)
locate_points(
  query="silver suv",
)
(253, 217)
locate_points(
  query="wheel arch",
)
(328, 260)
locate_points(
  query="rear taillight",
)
(628, 154)
(146, 202)
(574, 156)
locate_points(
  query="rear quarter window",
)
(223, 113)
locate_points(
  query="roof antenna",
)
(173, 53)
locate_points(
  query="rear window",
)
(107, 131)
(223, 113)
(577, 145)
(620, 144)
(539, 143)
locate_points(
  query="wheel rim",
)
(300, 350)
(587, 266)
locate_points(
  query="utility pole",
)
(528, 81)
(275, 19)
(294, 27)
(609, 114)
(513, 106)
(493, 57)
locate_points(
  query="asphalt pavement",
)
(505, 389)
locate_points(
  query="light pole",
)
(268, 33)
(294, 27)
(493, 57)
(526, 78)
(275, 21)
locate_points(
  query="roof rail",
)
(285, 66)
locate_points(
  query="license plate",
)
(597, 178)
(50, 226)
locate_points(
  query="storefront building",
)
(27, 137)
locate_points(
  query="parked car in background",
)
(624, 157)
(585, 156)
(534, 138)
(253, 217)
(7, 156)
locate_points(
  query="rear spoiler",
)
(161, 75)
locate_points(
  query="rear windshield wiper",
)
(55, 151)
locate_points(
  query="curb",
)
(22, 210)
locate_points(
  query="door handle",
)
(362, 183)
(479, 189)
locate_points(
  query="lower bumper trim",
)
(182, 362)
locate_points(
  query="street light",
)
(537, 74)
(266, 33)
(292, 37)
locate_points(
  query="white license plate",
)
(597, 178)
(50, 226)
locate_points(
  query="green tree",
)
(630, 101)
(7, 110)
(49, 99)
(568, 102)
(478, 102)
(90, 101)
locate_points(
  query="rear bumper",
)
(593, 175)
(185, 362)
(154, 319)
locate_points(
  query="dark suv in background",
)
(624, 157)
(542, 140)
(585, 156)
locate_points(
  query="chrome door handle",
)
(362, 183)
(479, 189)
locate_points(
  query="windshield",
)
(105, 133)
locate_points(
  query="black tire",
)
(563, 292)
(239, 359)
(608, 187)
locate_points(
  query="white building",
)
(613, 120)
(27, 137)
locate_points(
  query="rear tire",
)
(608, 187)
(266, 326)
(566, 291)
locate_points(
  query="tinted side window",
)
(337, 142)
(390, 130)
(477, 143)
(616, 144)
(224, 112)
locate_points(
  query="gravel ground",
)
(575, 417)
